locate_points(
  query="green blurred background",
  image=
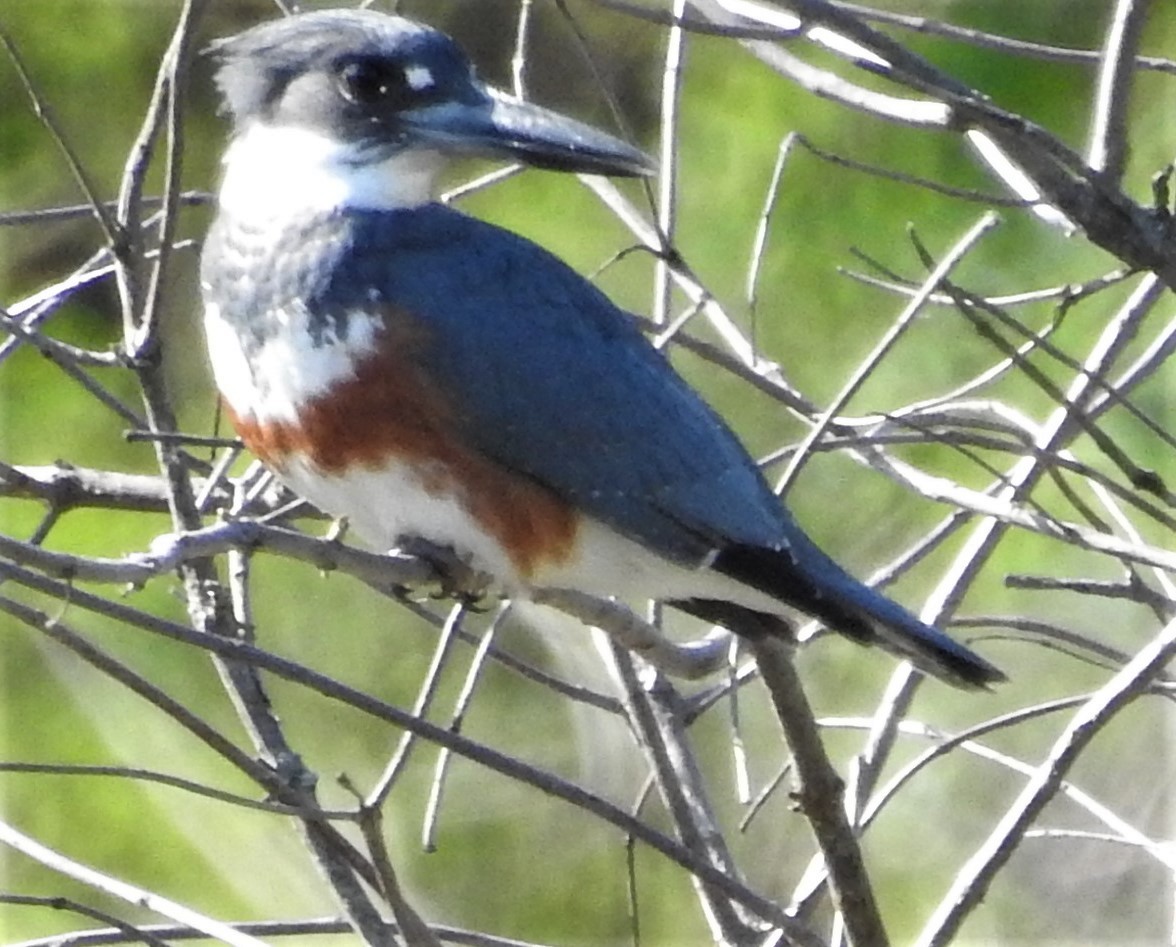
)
(508, 861)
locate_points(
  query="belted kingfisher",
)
(428, 375)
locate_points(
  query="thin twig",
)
(456, 721)
(114, 887)
(110, 226)
(884, 345)
(420, 708)
(244, 653)
(653, 711)
(973, 881)
(819, 792)
(1107, 150)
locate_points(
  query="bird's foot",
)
(456, 578)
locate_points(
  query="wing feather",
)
(549, 378)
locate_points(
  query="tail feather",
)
(809, 581)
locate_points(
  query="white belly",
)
(385, 507)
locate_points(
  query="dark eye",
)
(373, 82)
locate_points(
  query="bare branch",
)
(1107, 150)
(819, 792)
(116, 888)
(973, 882)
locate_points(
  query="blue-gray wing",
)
(543, 374)
(552, 380)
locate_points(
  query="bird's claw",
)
(456, 578)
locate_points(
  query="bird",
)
(430, 376)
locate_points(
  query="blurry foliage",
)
(542, 870)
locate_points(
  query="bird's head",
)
(358, 108)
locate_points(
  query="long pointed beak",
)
(501, 126)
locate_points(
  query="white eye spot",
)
(419, 78)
